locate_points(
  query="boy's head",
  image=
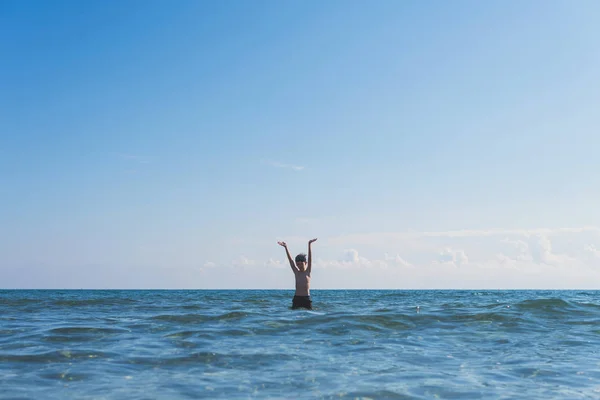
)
(301, 261)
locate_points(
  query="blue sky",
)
(426, 144)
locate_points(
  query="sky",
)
(426, 144)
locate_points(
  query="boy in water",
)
(301, 270)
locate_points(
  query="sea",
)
(250, 344)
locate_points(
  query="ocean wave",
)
(92, 302)
(215, 359)
(80, 334)
(224, 345)
(65, 376)
(55, 356)
(376, 394)
(544, 304)
(199, 318)
(84, 330)
(555, 307)
(8, 302)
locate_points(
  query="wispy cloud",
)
(277, 164)
(590, 248)
(397, 261)
(274, 263)
(209, 265)
(517, 232)
(378, 237)
(351, 259)
(502, 258)
(242, 261)
(452, 257)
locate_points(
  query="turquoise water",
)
(249, 344)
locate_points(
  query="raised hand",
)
(283, 244)
(312, 240)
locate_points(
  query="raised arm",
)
(309, 267)
(289, 256)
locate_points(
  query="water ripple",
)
(249, 344)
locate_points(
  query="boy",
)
(301, 270)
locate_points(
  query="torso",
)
(302, 283)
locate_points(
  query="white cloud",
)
(396, 261)
(274, 263)
(351, 255)
(452, 257)
(242, 261)
(351, 259)
(517, 252)
(590, 248)
(277, 164)
(540, 249)
(388, 237)
(528, 258)
(502, 232)
(549, 246)
(209, 265)
(591, 256)
(519, 244)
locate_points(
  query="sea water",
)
(249, 344)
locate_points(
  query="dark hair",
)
(301, 257)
